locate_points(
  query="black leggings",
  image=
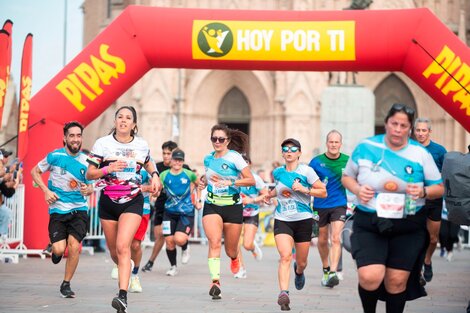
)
(448, 234)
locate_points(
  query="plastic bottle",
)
(410, 203)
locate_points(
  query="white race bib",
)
(220, 191)
(166, 227)
(129, 172)
(288, 207)
(390, 205)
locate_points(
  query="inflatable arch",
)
(141, 38)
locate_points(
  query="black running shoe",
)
(120, 304)
(215, 291)
(427, 273)
(299, 278)
(55, 259)
(147, 267)
(66, 292)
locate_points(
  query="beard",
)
(72, 149)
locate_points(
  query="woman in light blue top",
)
(293, 219)
(226, 172)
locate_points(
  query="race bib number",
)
(288, 207)
(129, 172)
(390, 205)
(166, 227)
(220, 191)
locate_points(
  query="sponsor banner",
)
(274, 41)
(25, 97)
(5, 62)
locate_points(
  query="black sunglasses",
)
(219, 139)
(401, 107)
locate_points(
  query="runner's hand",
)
(117, 166)
(50, 197)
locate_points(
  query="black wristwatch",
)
(424, 193)
(154, 172)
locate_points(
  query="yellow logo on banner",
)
(447, 62)
(274, 41)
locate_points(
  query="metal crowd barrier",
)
(16, 230)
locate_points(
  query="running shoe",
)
(299, 278)
(283, 300)
(422, 281)
(147, 267)
(66, 291)
(340, 275)
(215, 291)
(324, 279)
(427, 273)
(48, 250)
(115, 272)
(241, 273)
(443, 253)
(120, 304)
(172, 271)
(257, 252)
(185, 256)
(235, 265)
(55, 259)
(332, 280)
(135, 287)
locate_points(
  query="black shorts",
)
(331, 215)
(63, 225)
(395, 243)
(253, 220)
(301, 231)
(434, 209)
(176, 222)
(109, 210)
(229, 213)
(158, 215)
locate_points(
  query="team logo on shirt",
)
(296, 180)
(391, 186)
(409, 170)
(224, 166)
(73, 184)
(184, 180)
(286, 193)
(126, 153)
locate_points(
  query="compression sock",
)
(369, 299)
(395, 302)
(171, 256)
(185, 246)
(214, 268)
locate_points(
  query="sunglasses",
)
(219, 139)
(401, 107)
(290, 149)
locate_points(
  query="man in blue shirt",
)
(422, 132)
(65, 194)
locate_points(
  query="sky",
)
(45, 20)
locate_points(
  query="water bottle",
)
(410, 203)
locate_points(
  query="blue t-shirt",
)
(67, 172)
(227, 167)
(252, 209)
(438, 152)
(293, 205)
(178, 191)
(330, 172)
(387, 171)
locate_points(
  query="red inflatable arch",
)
(141, 38)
